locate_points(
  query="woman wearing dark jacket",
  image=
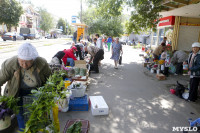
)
(194, 71)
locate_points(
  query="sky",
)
(61, 8)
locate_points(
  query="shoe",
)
(116, 67)
(175, 74)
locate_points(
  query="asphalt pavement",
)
(138, 102)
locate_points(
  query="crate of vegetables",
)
(76, 125)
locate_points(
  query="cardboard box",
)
(80, 63)
(98, 105)
(160, 77)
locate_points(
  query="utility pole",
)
(81, 12)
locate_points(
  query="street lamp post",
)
(81, 12)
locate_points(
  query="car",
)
(9, 36)
(37, 36)
(122, 41)
(47, 36)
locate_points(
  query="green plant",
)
(10, 102)
(41, 107)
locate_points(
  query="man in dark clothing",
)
(75, 37)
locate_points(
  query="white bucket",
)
(162, 68)
(5, 123)
(158, 71)
(152, 70)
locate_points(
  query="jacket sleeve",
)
(73, 57)
(5, 74)
(197, 65)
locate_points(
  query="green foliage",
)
(102, 25)
(10, 12)
(62, 23)
(11, 103)
(45, 100)
(46, 22)
(142, 18)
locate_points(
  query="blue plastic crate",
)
(79, 104)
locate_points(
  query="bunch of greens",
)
(42, 105)
(8, 106)
(75, 128)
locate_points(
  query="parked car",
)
(9, 36)
(122, 41)
(47, 36)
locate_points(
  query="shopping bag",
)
(120, 60)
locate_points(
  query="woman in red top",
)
(69, 56)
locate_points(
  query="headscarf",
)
(27, 51)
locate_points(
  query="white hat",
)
(27, 52)
(196, 44)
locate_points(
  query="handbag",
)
(120, 60)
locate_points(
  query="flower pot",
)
(5, 123)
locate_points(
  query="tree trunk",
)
(8, 27)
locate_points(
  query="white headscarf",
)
(27, 52)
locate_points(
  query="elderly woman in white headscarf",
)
(23, 72)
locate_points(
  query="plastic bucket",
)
(5, 123)
(67, 83)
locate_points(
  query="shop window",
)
(161, 36)
(154, 38)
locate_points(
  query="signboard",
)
(73, 19)
(167, 21)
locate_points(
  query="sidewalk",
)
(138, 103)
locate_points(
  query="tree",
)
(46, 22)
(10, 12)
(62, 25)
(145, 15)
(69, 29)
(102, 25)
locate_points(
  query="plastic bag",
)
(172, 69)
(82, 72)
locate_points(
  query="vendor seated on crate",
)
(69, 56)
(158, 51)
(97, 55)
(23, 72)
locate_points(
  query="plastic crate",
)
(27, 100)
(84, 128)
(79, 104)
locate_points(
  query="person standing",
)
(99, 41)
(158, 50)
(116, 49)
(75, 37)
(23, 73)
(97, 55)
(14, 36)
(69, 56)
(109, 41)
(95, 42)
(194, 71)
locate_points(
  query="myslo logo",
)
(178, 129)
